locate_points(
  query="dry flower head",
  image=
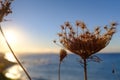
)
(63, 54)
(81, 41)
(4, 8)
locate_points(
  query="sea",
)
(45, 67)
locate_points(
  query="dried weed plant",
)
(4, 11)
(63, 54)
(81, 41)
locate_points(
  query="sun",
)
(11, 36)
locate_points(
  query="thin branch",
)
(59, 71)
(85, 69)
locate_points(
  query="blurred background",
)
(33, 26)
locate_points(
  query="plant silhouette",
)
(84, 43)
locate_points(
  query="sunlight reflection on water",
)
(15, 72)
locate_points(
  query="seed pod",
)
(67, 24)
(114, 24)
(54, 41)
(63, 54)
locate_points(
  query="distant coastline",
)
(50, 53)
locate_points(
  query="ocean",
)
(45, 67)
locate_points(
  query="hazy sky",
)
(36, 23)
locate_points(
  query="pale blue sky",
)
(40, 20)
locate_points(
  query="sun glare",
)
(11, 37)
(10, 57)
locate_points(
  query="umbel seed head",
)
(5, 8)
(81, 41)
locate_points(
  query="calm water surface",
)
(45, 67)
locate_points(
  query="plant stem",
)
(85, 69)
(59, 71)
(14, 54)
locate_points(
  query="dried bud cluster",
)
(63, 54)
(4, 8)
(83, 42)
